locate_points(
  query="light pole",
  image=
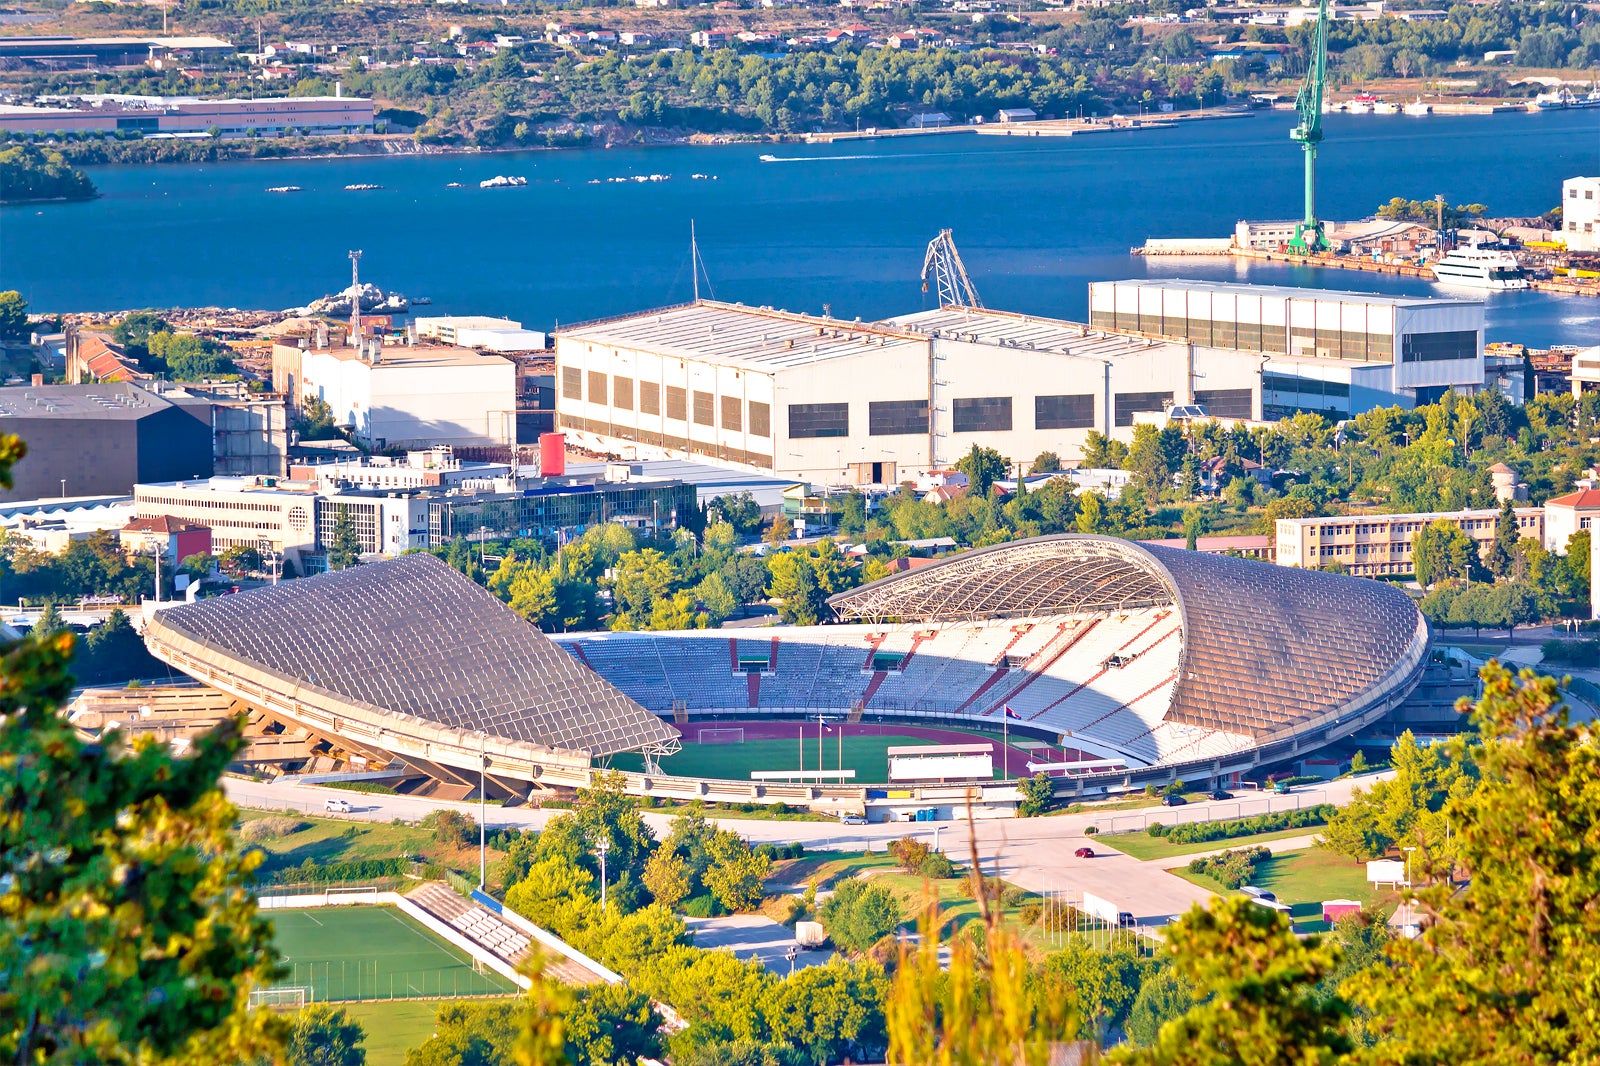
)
(1408, 852)
(936, 836)
(791, 955)
(602, 846)
(483, 773)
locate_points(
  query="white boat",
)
(501, 181)
(1358, 107)
(769, 159)
(286, 188)
(1556, 101)
(1384, 107)
(1478, 268)
(362, 187)
(1418, 107)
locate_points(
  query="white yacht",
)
(1479, 269)
(1418, 106)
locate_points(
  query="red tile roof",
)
(1582, 500)
(161, 524)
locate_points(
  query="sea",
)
(840, 227)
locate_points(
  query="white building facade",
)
(242, 512)
(1580, 214)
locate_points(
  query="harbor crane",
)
(1308, 233)
(949, 273)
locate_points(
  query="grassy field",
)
(1304, 879)
(1144, 846)
(330, 840)
(393, 1028)
(360, 952)
(866, 755)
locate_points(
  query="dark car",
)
(1173, 801)
(1084, 853)
(1221, 794)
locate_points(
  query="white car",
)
(852, 819)
(337, 806)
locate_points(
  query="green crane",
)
(1308, 235)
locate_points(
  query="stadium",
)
(1105, 663)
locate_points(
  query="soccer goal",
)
(286, 997)
(352, 894)
(733, 734)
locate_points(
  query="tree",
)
(1038, 792)
(780, 531)
(1443, 550)
(715, 596)
(638, 580)
(344, 551)
(1045, 463)
(1101, 452)
(1502, 550)
(1259, 1001)
(128, 931)
(484, 1034)
(666, 875)
(746, 577)
(13, 316)
(611, 1025)
(983, 467)
(1103, 984)
(794, 583)
(735, 874)
(321, 1035)
(859, 914)
(1500, 968)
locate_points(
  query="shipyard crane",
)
(1308, 233)
(949, 273)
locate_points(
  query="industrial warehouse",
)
(817, 398)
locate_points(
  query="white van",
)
(337, 806)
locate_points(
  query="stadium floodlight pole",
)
(602, 846)
(483, 850)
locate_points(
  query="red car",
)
(1084, 853)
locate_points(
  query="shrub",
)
(1092, 830)
(254, 832)
(1572, 652)
(1201, 832)
(1030, 913)
(1231, 868)
(937, 867)
(909, 853)
(451, 827)
(1014, 896)
(1156, 829)
(793, 909)
(700, 907)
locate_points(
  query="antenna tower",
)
(697, 265)
(1308, 233)
(949, 273)
(355, 297)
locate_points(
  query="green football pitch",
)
(373, 952)
(866, 755)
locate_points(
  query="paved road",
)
(1035, 853)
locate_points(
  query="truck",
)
(1107, 911)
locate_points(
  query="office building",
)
(265, 513)
(100, 440)
(478, 331)
(1374, 545)
(1333, 353)
(404, 395)
(833, 402)
(426, 468)
(1580, 214)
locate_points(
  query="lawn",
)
(1145, 846)
(866, 755)
(395, 1027)
(1304, 879)
(330, 840)
(373, 952)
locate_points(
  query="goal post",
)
(284, 997)
(733, 734)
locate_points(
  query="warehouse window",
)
(622, 392)
(597, 387)
(1226, 403)
(571, 383)
(732, 413)
(819, 420)
(1063, 412)
(1129, 402)
(1433, 347)
(760, 419)
(704, 406)
(649, 398)
(677, 403)
(891, 418)
(981, 414)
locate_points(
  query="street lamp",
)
(602, 846)
(1408, 852)
(792, 954)
(483, 773)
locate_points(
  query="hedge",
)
(1200, 832)
(310, 872)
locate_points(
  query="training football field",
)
(373, 952)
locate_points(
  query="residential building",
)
(405, 395)
(92, 358)
(265, 513)
(116, 113)
(1565, 515)
(99, 440)
(174, 538)
(1333, 353)
(831, 402)
(1580, 214)
(1585, 371)
(1372, 545)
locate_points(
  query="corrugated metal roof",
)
(747, 337)
(1009, 330)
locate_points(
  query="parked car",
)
(1084, 853)
(1221, 794)
(1258, 893)
(337, 806)
(1173, 800)
(853, 819)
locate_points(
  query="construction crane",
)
(949, 273)
(1308, 234)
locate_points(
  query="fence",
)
(1243, 807)
(344, 980)
(1063, 921)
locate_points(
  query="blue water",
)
(843, 225)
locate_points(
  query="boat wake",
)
(812, 158)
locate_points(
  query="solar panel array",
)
(413, 636)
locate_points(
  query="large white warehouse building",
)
(1338, 353)
(823, 400)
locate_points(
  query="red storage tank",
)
(552, 454)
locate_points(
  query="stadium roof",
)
(757, 338)
(1266, 648)
(411, 636)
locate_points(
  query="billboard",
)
(1387, 872)
(941, 767)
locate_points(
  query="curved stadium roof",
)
(411, 636)
(1267, 649)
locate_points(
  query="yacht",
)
(1418, 106)
(1385, 107)
(1480, 269)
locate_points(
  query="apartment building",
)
(1380, 544)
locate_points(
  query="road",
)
(1035, 853)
